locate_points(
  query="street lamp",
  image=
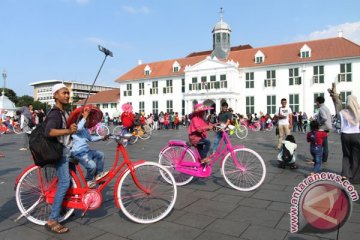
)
(4, 75)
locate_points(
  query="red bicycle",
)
(140, 191)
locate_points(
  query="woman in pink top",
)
(197, 131)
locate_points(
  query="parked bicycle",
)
(242, 168)
(240, 130)
(268, 126)
(254, 126)
(140, 190)
(144, 132)
(100, 129)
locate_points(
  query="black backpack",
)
(45, 150)
(286, 156)
(31, 123)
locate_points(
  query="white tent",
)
(6, 104)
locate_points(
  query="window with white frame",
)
(141, 106)
(105, 105)
(113, 105)
(203, 82)
(194, 84)
(271, 104)
(249, 80)
(176, 67)
(259, 57)
(141, 88)
(128, 91)
(270, 80)
(345, 73)
(250, 104)
(147, 70)
(169, 87)
(183, 107)
(294, 77)
(183, 85)
(155, 107)
(318, 76)
(305, 51)
(344, 96)
(154, 89)
(294, 102)
(223, 81)
(169, 106)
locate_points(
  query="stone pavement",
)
(205, 208)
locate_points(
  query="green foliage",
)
(10, 94)
(25, 101)
(37, 105)
(76, 98)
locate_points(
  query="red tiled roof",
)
(323, 49)
(108, 96)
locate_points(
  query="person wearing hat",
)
(197, 131)
(56, 127)
(92, 160)
(127, 117)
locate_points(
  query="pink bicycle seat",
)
(177, 142)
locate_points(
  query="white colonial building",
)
(42, 90)
(251, 80)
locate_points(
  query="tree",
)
(10, 94)
(336, 98)
(25, 101)
(37, 105)
(76, 98)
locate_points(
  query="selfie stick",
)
(107, 53)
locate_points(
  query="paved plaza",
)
(205, 209)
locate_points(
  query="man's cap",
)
(57, 87)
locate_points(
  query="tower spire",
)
(221, 14)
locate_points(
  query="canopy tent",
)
(7, 105)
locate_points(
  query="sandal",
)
(205, 160)
(56, 227)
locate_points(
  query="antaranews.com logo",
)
(321, 203)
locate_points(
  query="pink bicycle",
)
(254, 126)
(242, 168)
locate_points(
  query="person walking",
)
(284, 116)
(350, 140)
(56, 127)
(25, 118)
(224, 119)
(324, 120)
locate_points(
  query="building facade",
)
(42, 90)
(250, 80)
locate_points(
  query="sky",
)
(58, 39)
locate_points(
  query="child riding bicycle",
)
(92, 160)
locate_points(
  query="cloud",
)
(133, 10)
(350, 31)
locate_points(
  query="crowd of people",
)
(74, 137)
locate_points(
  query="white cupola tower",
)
(221, 38)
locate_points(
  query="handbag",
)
(277, 130)
(44, 150)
